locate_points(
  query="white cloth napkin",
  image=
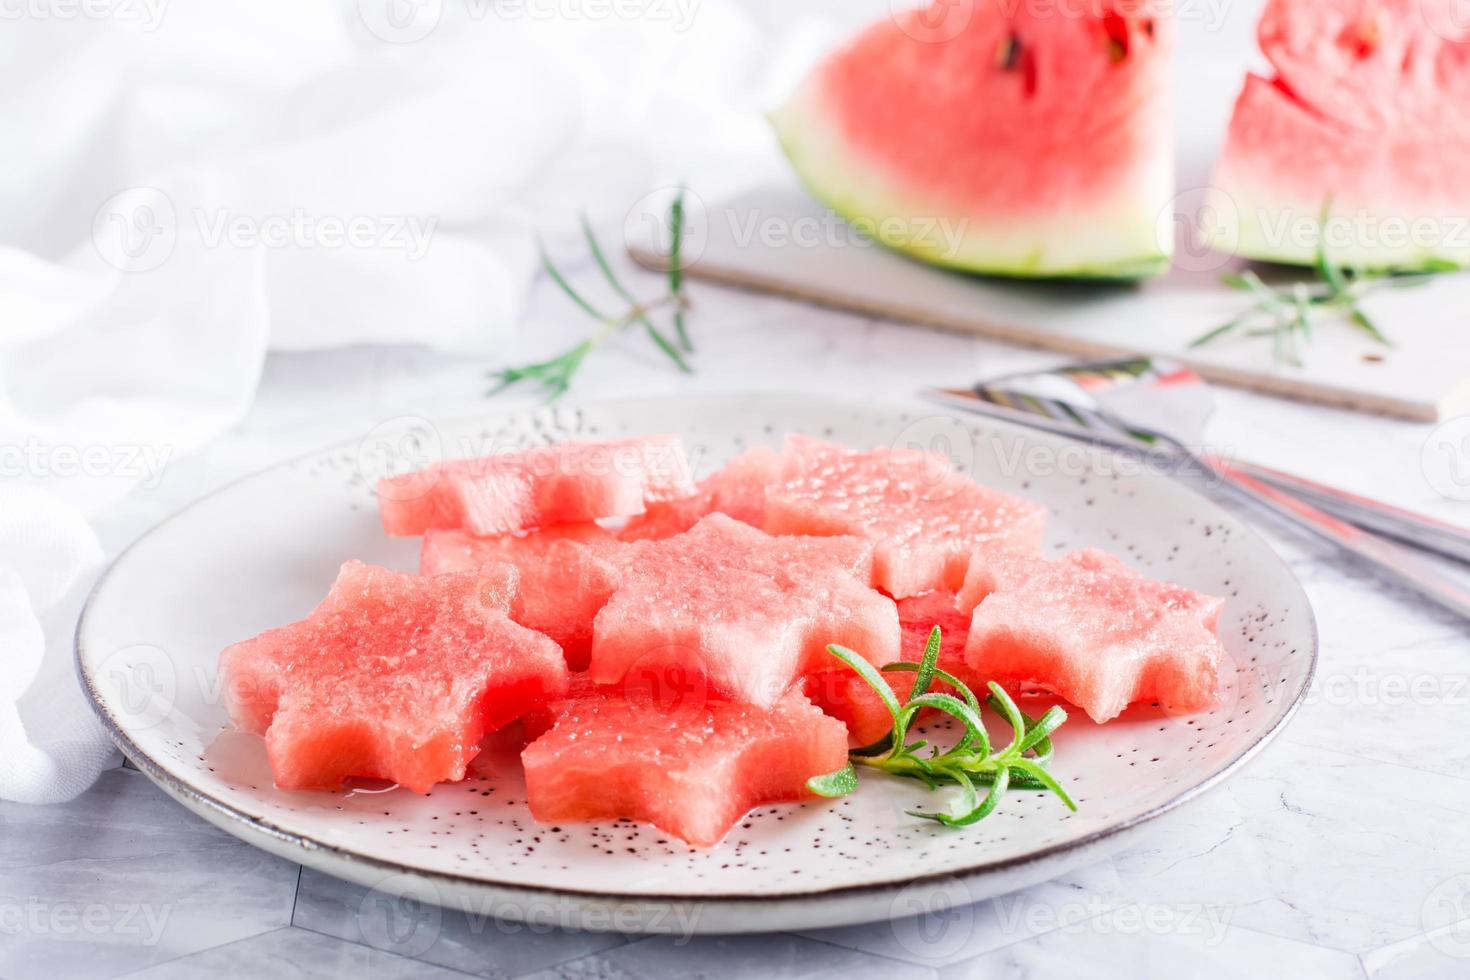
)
(193, 183)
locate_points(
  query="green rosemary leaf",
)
(1003, 703)
(566, 287)
(676, 243)
(554, 376)
(1040, 731)
(968, 763)
(1303, 301)
(664, 345)
(834, 784)
(1331, 274)
(676, 268)
(636, 314)
(957, 709)
(904, 666)
(601, 260)
(681, 331)
(870, 674)
(1222, 329)
(1040, 775)
(1369, 327)
(987, 806)
(928, 663)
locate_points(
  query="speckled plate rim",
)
(718, 913)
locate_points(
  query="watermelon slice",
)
(1368, 115)
(738, 490)
(998, 137)
(567, 574)
(847, 697)
(392, 676)
(1092, 630)
(567, 483)
(691, 775)
(923, 518)
(749, 612)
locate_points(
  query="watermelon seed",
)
(1009, 55)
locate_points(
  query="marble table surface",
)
(1342, 852)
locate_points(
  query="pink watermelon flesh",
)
(749, 612)
(1368, 114)
(1093, 631)
(847, 697)
(693, 775)
(567, 574)
(923, 518)
(738, 490)
(991, 136)
(567, 483)
(392, 676)
(1373, 64)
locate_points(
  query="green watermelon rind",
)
(840, 193)
(1243, 233)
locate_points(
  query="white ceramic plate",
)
(262, 552)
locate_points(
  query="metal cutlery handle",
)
(1417, 530)
(1407, 526)
(1390, 559)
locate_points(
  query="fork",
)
(1144, 402)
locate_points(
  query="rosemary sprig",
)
(972, 763)
(554, 376)
(1288, 315)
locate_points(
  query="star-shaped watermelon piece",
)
(1094, 631)
(692, 773)
(392, 676)
(923, 517)
(567, 573)
(751, 612)
(737, 489)
(846, 696)
(565, 483)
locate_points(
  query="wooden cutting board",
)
(779, 240)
